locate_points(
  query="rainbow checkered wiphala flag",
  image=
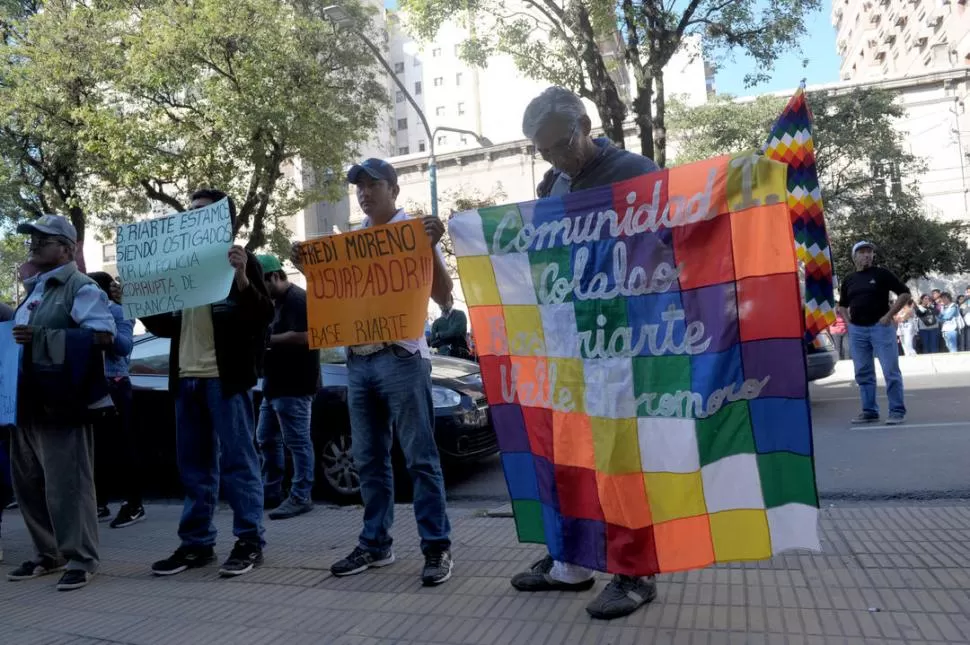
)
(641, 346)
(791, 142)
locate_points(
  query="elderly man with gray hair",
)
(557, 123)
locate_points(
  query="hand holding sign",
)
(296, 257)
(23, 334)
(238, 260)
(435, 229)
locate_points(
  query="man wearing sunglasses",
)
(557, 123)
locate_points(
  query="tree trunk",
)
(603, 92)
(612, 113)
(642, 114)
(659, 123)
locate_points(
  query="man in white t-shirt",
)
(389, 393)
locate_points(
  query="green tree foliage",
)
(868, 180)
(586, 45)
(152, 99)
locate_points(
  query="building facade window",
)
(463, 139)
(402, 124)
(461, 109)
(398, 68)
(442, 140)
(403, 150)
(436, 52)
(421, 146)
(439, 81)
(458, 78)
(439, 111)
(400, 97)
(417, 88)
(109, 252)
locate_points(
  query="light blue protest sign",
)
(9, 373)
(175, 262)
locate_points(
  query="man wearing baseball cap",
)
(291, 374)
(389, 394)
(52, 449)
(864, 303)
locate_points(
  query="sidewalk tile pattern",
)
(887, 575)
(641, 350)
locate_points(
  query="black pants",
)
(117, 462)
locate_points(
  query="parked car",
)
(822, 356)
(463, 429)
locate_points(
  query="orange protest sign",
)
(368, 286)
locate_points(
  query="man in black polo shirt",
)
(864, 302)
(291, 374)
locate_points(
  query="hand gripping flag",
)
(791, 142)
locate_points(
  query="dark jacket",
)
(611, 165)
(239, 325)
(6, 312)
(62, 369)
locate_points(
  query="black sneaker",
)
(360, 560)
(128, 515)
(623, 596)
(245, 557)
(74, 579)
(185, 557)
(104, 513)
(29, 570)
(437, 567)
(864, 418)
(537, 578)
(290, 508)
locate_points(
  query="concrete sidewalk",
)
(909, 365)
(888, 575)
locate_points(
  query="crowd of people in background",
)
(934, 323)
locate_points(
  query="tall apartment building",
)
(890, 38)
(490, 101)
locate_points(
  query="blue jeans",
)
(950, 338)
(214, 435)
(868, 344)
(285, 421)
(390, 392)
(931, 340)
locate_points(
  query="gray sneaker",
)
(895, 419)
(623, 596)
(290, 508)
(864, 418)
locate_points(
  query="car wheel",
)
(337, 469)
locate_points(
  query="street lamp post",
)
(340, 17)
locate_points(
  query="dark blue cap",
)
(375, 168)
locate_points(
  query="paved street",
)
(889, 575)
(924, 459)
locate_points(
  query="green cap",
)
(270, 263)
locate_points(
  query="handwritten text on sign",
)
(175, 262)
(9, 371)
(368, 286)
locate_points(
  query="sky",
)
(818, 48)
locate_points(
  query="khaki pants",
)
(53, 479)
